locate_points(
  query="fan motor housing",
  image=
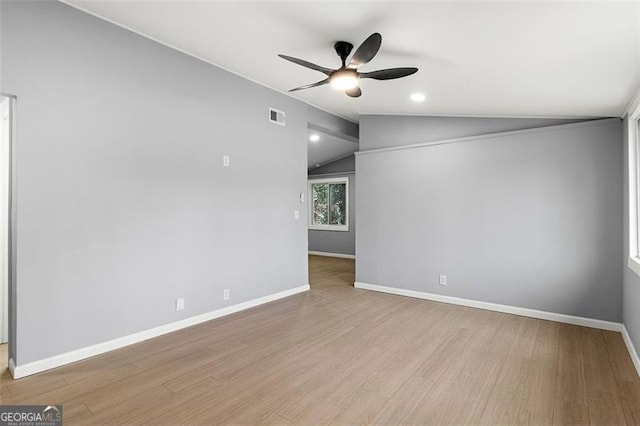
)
(343, 48)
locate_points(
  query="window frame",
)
(316, 227)
(633, 143)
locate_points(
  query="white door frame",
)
(6, 138)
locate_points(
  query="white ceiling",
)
(327, 149)
(540, 59)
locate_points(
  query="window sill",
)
(634, 265)
(329, 228)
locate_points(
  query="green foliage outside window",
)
(329, 204)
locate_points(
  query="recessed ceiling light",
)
(314, 137)
(317, 165)
(418, 97)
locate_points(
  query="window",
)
(633, 134)
(329, 204)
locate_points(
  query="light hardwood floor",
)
(341, 355)
(331, 271)
(4, 357)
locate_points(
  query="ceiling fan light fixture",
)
(344, 79)
(347, 78)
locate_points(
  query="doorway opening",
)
(7, 270)
(331, 206)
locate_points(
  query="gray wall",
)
(341, 242)
(123, 204)
(531, 220)
(631, 282)
(380, 131)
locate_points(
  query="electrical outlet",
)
(225, 294)
(180, 304)
(296, 214)
(225, 161)
(443, 280)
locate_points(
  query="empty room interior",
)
(305, 212)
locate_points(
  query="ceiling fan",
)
(347, 76)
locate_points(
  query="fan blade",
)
(309, 86)
(366, 51)
(307, 64)
(354, 92)
(389, 74)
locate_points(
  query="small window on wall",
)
(633, 133)
(328, 204)
(636, 140)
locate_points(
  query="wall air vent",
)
(276, 117)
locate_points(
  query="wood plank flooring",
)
(341, 355)
(4, 356)
(331, 271)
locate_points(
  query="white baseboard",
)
(533, 313)
(34, 367)
(631, 349)
(340, 255)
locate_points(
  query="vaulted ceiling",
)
(524, 59)
(325, 148)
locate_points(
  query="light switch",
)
(296, 214)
